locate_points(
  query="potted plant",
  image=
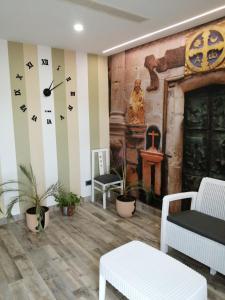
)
(37, 215)
(126, 202)
(67, 202)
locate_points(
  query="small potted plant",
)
(37, 216)
(67, 202)
(126, 202)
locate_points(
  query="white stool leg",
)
(212, 272)
(163, 245)
(104, 198)
(102, 284)
(92, 192)
(109, 194)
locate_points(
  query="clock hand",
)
(51, 85)
(56, 86)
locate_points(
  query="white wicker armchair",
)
(208, 208)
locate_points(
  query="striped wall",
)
(98, 101)
(54, 134)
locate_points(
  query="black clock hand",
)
(56, 86)
(47, 92)
(51, 85)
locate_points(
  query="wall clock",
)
(47, 91)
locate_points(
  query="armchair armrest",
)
(173, 197)
(165, 209)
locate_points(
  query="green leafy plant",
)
(121, 172)
(27, 192)
(66, 199)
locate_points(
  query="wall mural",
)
(147, 118)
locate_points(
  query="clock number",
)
(68, 78)
(30, 65)
(23, 108)
(34, 118)
(62, 117)
(18, 76)
(17, 92)
(49, 121)
(70, 107)
(44, 61)
(48, 111)
(72, 93)
(58, 68)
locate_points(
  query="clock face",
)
(47, 91)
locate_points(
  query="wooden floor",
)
(62, 262)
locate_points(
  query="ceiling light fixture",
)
(78, 27)
(212, 11)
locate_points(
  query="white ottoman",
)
(141, 272)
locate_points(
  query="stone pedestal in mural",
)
(152, 158)
(118, 108)
(135, 141)
(117, 138)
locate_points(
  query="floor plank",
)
(62, 262)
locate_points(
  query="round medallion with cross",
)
(206, 49)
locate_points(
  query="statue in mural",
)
(136, 106)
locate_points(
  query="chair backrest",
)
(100, 164)
(211, 197)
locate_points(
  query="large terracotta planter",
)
(125, 206)
(32, 221)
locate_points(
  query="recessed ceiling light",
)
(78, 27)
(209, 12)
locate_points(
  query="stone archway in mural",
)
(174, 123)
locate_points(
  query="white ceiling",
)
(50, 22)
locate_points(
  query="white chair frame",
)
(103, 169)
(210, 199)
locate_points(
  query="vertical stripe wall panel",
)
(8, 161)
(93, 90)
(72, 122)
(60, 113)
(98, 101)
(54, 134)
(34, 109)
(20, 118)
(83, 121)
(48, 112)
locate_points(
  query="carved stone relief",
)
(173, 58)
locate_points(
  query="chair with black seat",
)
(200, 231)
(101, 178)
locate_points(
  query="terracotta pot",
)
(125, 206)
(32, 221)
(68, 210)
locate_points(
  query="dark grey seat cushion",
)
(205, 225)
(107, 178)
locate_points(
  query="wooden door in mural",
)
(204, 136)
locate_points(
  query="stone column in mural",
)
(117, 114)
(135, 134)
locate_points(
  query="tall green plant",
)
(27, 191)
